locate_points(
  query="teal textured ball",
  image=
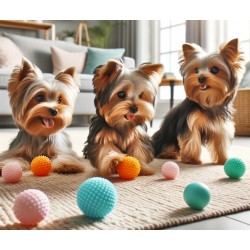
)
(197, 195)
(234, 168)
(96, 197)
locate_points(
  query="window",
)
(240, 30)
(172, 36)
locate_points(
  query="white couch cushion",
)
(10, 54)
(63, 59)
(4, 77)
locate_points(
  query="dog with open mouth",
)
(42, 109)
(124, 102)
(205, 116)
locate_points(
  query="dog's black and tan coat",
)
(205, 116)
(124, 102)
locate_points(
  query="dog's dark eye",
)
(40, 98)
(197, 70)
(59, 99)
(215, 70)
(141, 95)
(121, 94)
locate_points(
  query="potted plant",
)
(69, 35)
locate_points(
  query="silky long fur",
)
(41, 110)
(124, 102)
(205, 116)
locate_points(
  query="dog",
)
(205, 116)
(124, 101)
(42, 109)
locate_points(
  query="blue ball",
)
(96, 197)
(197, 195)
(234, 168)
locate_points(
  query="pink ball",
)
(31, 206)
(170, 170)
(12, 172)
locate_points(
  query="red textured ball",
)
(12, 172)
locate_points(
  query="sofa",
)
(52, 57)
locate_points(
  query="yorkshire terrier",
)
(124, 102)
(42, 109)
(205, 116)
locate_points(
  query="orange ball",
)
(41, 165)
(129, 168)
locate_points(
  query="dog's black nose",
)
(202, 79)
(53, 112)
(133, 109)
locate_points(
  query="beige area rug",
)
(144, 203)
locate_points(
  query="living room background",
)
(154, 41)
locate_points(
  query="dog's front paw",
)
(169, 152)
(146, 170)
(110, 163)
(67, 164)
(221, 161)
(191, 161)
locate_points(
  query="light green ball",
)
(234, 168)
(197, 195)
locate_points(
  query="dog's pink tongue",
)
(48, 122)
(130, 117)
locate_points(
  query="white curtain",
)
(209, 34)
(147, 41)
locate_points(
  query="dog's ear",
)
(67, 76)
(155, 72)
(22, 76)
(27, 67)
(106, 75)
(189, 50)
(230, 51)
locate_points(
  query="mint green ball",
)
(197, 195)
(234, 168)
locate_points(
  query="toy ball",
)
(41, 166)
(96, 197)
(12, 172)
(197, 195)
(129, 168)
(170, 170)
(31, 206)
(234, 168)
